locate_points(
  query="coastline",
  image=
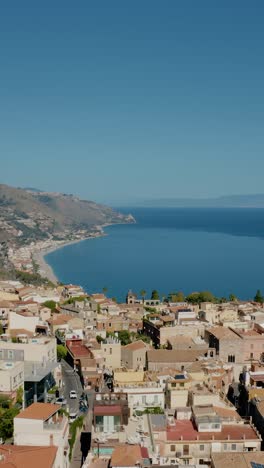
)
(45, 270)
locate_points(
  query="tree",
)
(198, 297)
(143, 294)
(20, 395)
(50, 304)
(155, 295)
(176, 297)
(124, 337)
(61, 352)
(258, 297)
(232, 298)
(6, 423)
(99, 339)
(105, 289)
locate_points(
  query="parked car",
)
(61, 401)
(73, 395)
(72, 417)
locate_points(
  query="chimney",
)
(51, 440)
(228, 437)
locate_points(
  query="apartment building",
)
(142, 392)
(41, 425)
(194, 440)
(177, 390)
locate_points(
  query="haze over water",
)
(171, 249)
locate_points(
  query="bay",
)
(171, 249)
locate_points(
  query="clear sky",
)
(118, 100)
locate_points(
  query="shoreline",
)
(45, 270)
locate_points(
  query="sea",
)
(171, 249)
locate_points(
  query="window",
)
(202, 448)
(225, 447)
(233, 447)
(173, 385)
(186, 450)
(231, 358)
(173, 448)
(215, 426)
(10, 354)
(110, 324)
(182, 384)
(251, 346)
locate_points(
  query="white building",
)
(41, 425)
(11, 376)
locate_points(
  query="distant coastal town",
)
(30, 258)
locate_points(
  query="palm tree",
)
(143, 294)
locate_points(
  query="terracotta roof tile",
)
(126, 455)
(188, 431)
(40, 411)
(136, 345)
(27, 457)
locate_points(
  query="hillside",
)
(29, 217)
(40, 214)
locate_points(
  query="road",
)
(72, 381)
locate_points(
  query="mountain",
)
(27, 215)
(229, 201)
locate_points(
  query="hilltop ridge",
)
(41, 220)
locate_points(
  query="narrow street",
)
(72, 381)
(76, 461)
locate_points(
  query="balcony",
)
(59, 425)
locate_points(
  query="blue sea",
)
(171, 249)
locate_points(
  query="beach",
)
(45, 269)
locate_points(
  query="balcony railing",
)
(116, 428)
(55, 426)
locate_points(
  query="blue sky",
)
(119, 101)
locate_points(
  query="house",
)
(11, 377)
(28, 456)
(257, 413)
(176, 390)
(228, 346)
(110, 413)
(127, 456)
(177, 359)
(27, 321)
(70, 291)
(41, 425)
(198, 437)
(238, 460)
(142, 392)
(133, 355)
(111, 353)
